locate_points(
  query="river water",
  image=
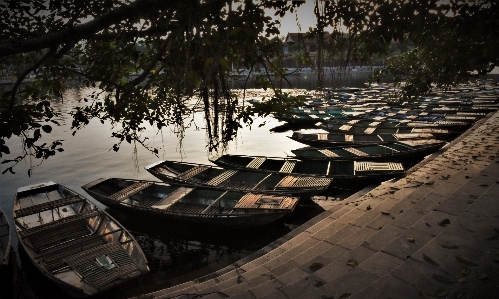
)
(175, 254)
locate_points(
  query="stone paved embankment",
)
(432, 234)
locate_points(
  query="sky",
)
(306, 19)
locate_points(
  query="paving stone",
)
(474, 227)
(425, 278)
(259, 261)
(320, 225)
(340, 212)
(388, 287)
(302, 286)
(292, 276)
(421, 192)
(434, 222)
(315, 264)
(261, 279)
(295, 241)
(352, 282)
(381, 221)
(454, 204)
(357, 238)
(341, 234)
(334, 253)
(403, 205)
(409, 218)
(383, 237)
(314, 251)
(365, 218)
(243, 295)
(266, 288)
(430, 201)
(350, 216)
(328, 230)
(403, 248)
(255, 272)
(487, 205)
(369, 202)
(380, 264)
(333, 270)
(285, 267)
(275, 295)
(325, 291)
(386, 204)
(442, 252)
(472, 190)
(236, 288)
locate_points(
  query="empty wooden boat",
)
(194, 205)
(340, 139)
(5, 241)
(201, 175)
(74, 243)
(344, 173)
(410, 151)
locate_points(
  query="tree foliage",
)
(179, 50)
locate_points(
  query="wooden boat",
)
(72, 242)
(192, 205)
(5, 240)
(359, 123)
(396, 130)
(199, 175)
(344, 173)
(404, 151)
(341, 139)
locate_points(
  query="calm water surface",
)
(175, 254)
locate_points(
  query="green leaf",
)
(208, 62)
(441, 293)
(465, 271)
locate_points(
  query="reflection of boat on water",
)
(200, 175)
(345, 174)
(197, 205)
(404, 152)
(72, 242)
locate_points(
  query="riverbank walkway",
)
(431, 234)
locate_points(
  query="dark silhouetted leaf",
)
(47, 128)
(352, 263)
(442, 278)
(466, 261)
(429, 260)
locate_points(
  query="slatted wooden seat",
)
(49, 205)
(186, 207)
(328, 153)
(192, 172)
(46, 239)
(259, 201)
(25, 233)
(54, 258)
(355, 151)
(353, 121)
(288, 166)
(345, 127)
(85, 264)
(372, 166)
(298, 182)
(369, 130)
(130, 190)
(322, 136)
(349, 138)
(256, 162)
(216, 181)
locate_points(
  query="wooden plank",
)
(49, 205)
(192, 172)
(221, 177)
(256, 162)
(288, 166)
(355, 151)
(129, 191)
(328, 153)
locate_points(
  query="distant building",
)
(301, 41)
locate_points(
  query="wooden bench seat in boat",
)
(355, 151)
(216, 181)
(372, 166)
(130, 190)
(260, 201)
(47, 206)
(187, 207)
(55, 224)
(192, 172)
(328, 153)
(288, 166)
(85, 264)
(256, 163)
(293, 181)
(46, 239)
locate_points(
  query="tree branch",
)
(136, 10)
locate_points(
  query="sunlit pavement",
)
(432, 234)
